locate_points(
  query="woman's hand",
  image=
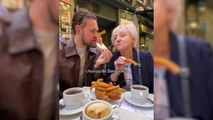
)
(119, 63)
(119, 67)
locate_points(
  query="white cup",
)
(73, 98)
(139, 93)
(86, 117)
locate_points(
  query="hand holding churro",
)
(121, 61)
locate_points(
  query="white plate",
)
(63, 111)
(128, 98)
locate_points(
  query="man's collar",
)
(20, 33)
(70, 49)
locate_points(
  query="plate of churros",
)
(106, 91)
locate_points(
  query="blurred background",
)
(196, 19)
(111, 13)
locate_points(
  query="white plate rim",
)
(70, 112)
(127, 97)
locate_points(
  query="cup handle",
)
(61, 103)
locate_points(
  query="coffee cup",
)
(139, 93)
(73, 98)
(97, 110)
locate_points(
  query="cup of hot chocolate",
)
(73, 98)
(139, 93)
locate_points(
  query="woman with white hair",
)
(119, 70)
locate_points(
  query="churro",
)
(132, 62)
(171, 66)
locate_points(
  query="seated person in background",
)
(119, 70)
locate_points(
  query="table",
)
(124, 110)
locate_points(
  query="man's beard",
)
(91, 44)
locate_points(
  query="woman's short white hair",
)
(130, 28)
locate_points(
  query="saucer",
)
(128, 98)
(63, 111)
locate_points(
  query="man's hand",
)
(103, 58)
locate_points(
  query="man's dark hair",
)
(80, 17)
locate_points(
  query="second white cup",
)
(73, 98)
(139, 93)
